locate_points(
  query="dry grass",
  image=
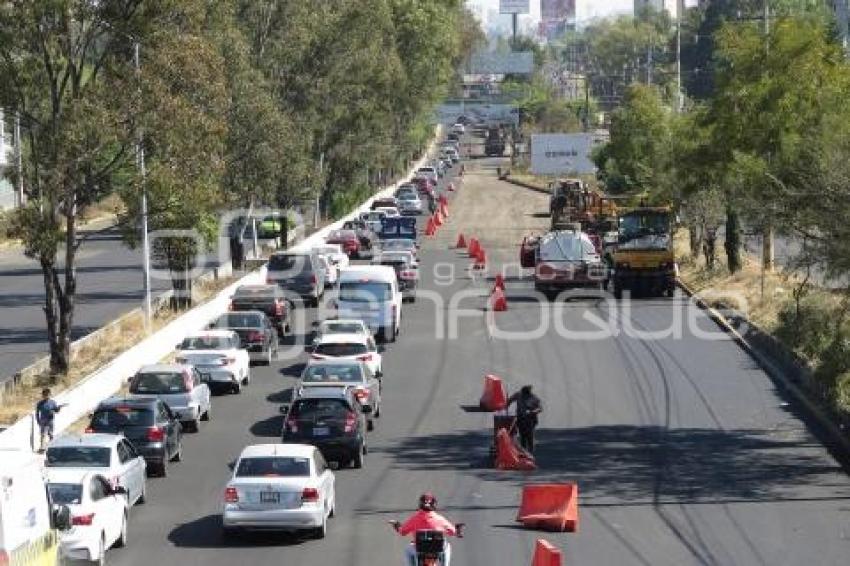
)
(125, 333)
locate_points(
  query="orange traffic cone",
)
(494, 398)
(473, 247)
(498, 301)
(430, 229)
(480, 259)
(500, 282)
(461, 242)
(444, 210)
(437, 220)
(443, 200)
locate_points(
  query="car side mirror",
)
(60, 517)
(366, 409)
(283, 409)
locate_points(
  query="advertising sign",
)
(514, 6)
(557, 154)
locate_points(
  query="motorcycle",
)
(430, 546)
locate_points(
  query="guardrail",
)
(83, 397)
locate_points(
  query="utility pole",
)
(514, 21)
(19, 159)
(680, 95)
(140, 161)
(767, 250)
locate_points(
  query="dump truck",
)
(494, 144)
(643, 261)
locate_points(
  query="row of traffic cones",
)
(498, 302)
(439, 217)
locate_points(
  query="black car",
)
(148, 424)
(297, 273)
(268, 299)
(256, 333)
(367, 237)
(332, 420)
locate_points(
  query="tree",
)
(68, 73)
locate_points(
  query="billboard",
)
(514, 6)
(492, 63)
(557, 10)
(557, 154)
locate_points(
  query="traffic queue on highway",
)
(369, 271)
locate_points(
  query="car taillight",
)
(82, 520)
(310, 494)
(365, 358)
(292, 424)
(279, 308)
(545, 270)
(350, 422)
(314, 280)
(89, 430)
(361, 394)
(231, 495)
(155, 434)
(255, 336)
(408, 274)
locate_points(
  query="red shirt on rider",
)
(427, 521)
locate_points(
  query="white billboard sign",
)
(514, 6)
(558, 154)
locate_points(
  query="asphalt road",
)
(684, 451)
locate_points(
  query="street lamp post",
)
(140, 160)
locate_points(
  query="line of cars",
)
(291, 486)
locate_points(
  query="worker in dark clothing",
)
(528, 407)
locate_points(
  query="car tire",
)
(236, 388)
(143, 497)
(332, 512)
(370, 425)
(193, 426)
(101, 556)
(321, 532)
(358, 460)
(178, 455)
(267, 358)
(162, 469)
(123, 538)
(207, 414)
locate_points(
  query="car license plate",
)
(321, 431)
(269, 497)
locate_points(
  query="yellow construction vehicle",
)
(643, 260)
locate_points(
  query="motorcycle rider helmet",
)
(427, 502)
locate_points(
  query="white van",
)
(370, 293)
(28, 521)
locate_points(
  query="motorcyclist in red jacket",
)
(427, 519)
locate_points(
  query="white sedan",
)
(279, 487)
(358, 347)
(334, 252)
(99, 513)
(341, 326)
(219, 357)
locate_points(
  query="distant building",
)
(556, 18)
(670, 6)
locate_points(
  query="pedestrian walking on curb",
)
(45, 412)
(528, 407)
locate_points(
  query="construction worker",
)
(528, 407)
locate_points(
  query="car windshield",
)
(376, 215)
(206, 343)
(273, 466)
(78, 457)
(341, 349)
(288, 262)
(119, 417)
(248, 293)
(329, 374)
(364, 291)
(342, 328)
(407, 196)
(340, 235)
(65, 493)
(649, 226)
(311, 408)
(158, 383)
(561, 248)
(239, 320)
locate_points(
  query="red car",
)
(424, 185)
(347, 239)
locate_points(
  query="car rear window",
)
(293, 263)
(263, 292)
(404, 245)
(342, 328)
(273, 466)
(78, 457)
(341, 349)
(309, 408)
(331, 374)
(158, 383)
(364, 292)
(123, 416)
(206, 343)
(65, 493)
(341, 235)
(239, 320)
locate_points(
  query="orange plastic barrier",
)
(443, 200)
(430, 228)
(498, 301)
(509, 456)
(494, 398)
(545, 554)
(438, 221)
(551, 507)
(461, 242)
